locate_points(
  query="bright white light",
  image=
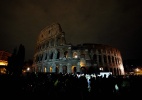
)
(75, 56)
(105, 74)
(101, 68)
(28, 69)
(137, 69)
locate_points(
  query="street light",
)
(28, 69)
(137, 70)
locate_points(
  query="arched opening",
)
(50, 69)
(115, 71)
(73, 69)
(52, 42)
(45, 56)
(106, 69)
(64, 69)
(58, 55)
(75, 55)
(83, 70)
(66, 54)
(51, 55)
(91, 70)
(57, 69)
(45, 70)
(111, 70)
(95, 57)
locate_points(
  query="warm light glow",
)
(45, 69)
(50, 69)
(28, 69)
(72, 68)
(137, 69)
(82, 62)
(122, 69)
(3, 70)
(3, 63)
(75, 56)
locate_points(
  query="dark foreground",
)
(68, 87)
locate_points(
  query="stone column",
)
(87, 55)
(107, 60)
(53, 67)
(102, 59)
(40, 68)
(78, 67)
(47, 68)
(60, 68)
(61, 54)
(68, 68)
(55, 54)
(69, 53)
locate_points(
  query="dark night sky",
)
(117, 23)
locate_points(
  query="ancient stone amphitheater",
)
(54, 55)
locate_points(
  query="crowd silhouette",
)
(70, 86)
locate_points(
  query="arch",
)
(40, 59)
(36, 59)
(115, 71)
(64, 69)
(113, 59)
(57, 69)
(45, 69)
(109, 59)
(111, 70)
(51, 55)
(75, 55)
(45, 56)
(47, 44)
(50, 69)
(83, 70)
(95, 57)
(105, 58)
(65, 54)
(74, 70)
(100, 59)
(52, 42)
(58, 54)
(91, 70)
(58, 41)
(106, 69)
(120, 71)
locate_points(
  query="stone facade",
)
(54, 55)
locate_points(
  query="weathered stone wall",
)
(52, 54)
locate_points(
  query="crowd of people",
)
(70, 86)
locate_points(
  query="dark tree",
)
(16, 61)
(11, 62)
(20, 59)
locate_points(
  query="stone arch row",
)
(64, 70)
(56, 54)
(51, 43)
(53, 54)
(107, 59)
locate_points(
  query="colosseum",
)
(54, 55)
